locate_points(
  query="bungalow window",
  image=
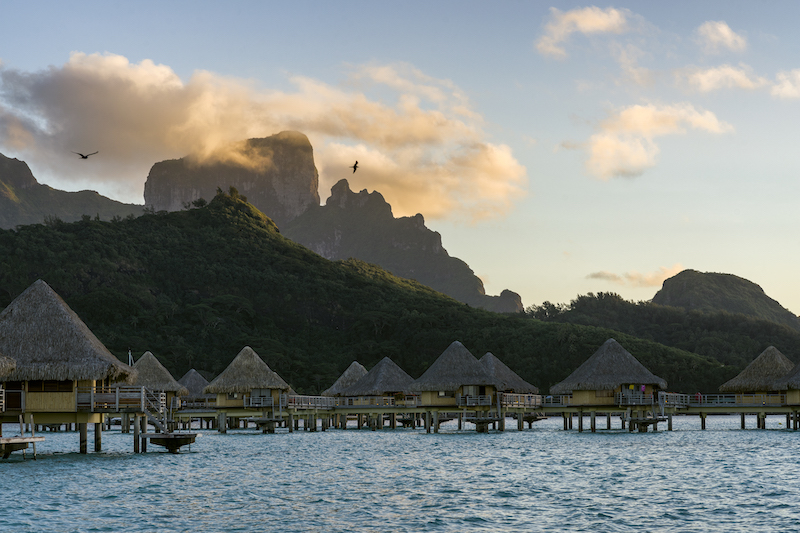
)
(446, 394)
(471, 390)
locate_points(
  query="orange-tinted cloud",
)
(637, 279)
(420, 143)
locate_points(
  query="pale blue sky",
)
(559, 148)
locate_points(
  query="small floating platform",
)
(171, 441)
(13, 444)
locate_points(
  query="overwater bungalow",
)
(761, 375)
(348, 378)
(790, 384)
(611, 370)
(456, 378)
(385, 384)
(195, 383)
(60, 364)
(153, 375)
(246, 386)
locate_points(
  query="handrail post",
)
(116, 408)
(91, 399)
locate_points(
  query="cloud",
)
(716, 35)
(787, 86)
(722, 77)
(625, 145)
(636, 279)
(628, 58)
(588, 20)
(418, 141)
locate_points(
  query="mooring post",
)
(702, 421)
(580, 421)
(436, 421)
(564, 416)
(84, 437)
(592, 422)
(143, 431)
(136, 440)
(98, 437)
(742, 416)
(427, 421)
(222, 425)
(608, 420)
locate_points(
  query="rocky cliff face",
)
(362, 225)
(23, 200)
(282, 182)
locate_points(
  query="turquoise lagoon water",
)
(541, 479)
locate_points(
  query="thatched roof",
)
(506, 379)
(761, 374)
(154, 376)
(348, 378)
(194, 383)
(608, 368)
(385, 377)
(7, 365)
(49, 342)
(454, 368)
(790, 381)
(245, 373)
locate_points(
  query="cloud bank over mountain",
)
(417, 138)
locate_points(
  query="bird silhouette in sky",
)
(354, 167)
(87, 155)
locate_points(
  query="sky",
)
(559, 148)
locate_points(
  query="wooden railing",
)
(198, 403)
(633, 398)
(308, 402)
(408, 400)
(472, 401)
(520, 400)
(557, 400)
(124, 398)
(258, 401)
(738, 400)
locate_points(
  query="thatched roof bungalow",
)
(506, 380)
(609, 370)
(348, 378)
(195, 383)
(247, 382)
(385, 379)
(55, 353)
(455, 373)
(761, 375)
(155, 377)
(790, 383)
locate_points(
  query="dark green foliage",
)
(731, 339)
(711, 292)
(196, 286)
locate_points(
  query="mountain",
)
(195, 286)
(361, 225)
(277, 174)
(710, 292)
(732, 339)
(23, 200)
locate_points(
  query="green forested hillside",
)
(712, 292)
(196, 286)
(732, 339)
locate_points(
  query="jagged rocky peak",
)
(276, 173)
(343, 197)
(16, 173)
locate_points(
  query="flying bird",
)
(354, 167)
(87, 155)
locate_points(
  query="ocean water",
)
(541, 479)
